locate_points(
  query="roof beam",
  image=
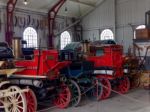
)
(84, 3)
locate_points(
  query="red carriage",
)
(108, 59)
(41, 75)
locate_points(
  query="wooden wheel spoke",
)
(18, 110)
(18, 97)
(20, 107)
(19, 102)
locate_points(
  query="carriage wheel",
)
(124, 85)
(96, 91)
(1, 105)
(106, 89)
(135, 82)
(31, 101)
(17, 101)
(63, 98)
(76, 93)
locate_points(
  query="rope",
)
(128, 97)
(70, 101)
(122, 95)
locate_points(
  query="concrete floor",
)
(137, 100)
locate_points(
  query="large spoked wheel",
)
(63, 97)
(106, 89)
(124, 85)
(76, 93)
(31, 101)
(96, 91)
(16, 102)
(135, 82)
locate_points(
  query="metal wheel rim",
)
(31, 101)
(63, 98)
(106, 89)
(124, 85)
(76, 93)
(97, 90)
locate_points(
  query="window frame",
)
(31, 37)
(65, 40)
(104, 30)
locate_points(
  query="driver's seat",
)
(5, 51)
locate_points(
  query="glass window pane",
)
(30, 36)
(107, 34)
(65, 39)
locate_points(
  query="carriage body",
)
(44, 64)
(42, 75)
(109, 68)
(108, 61)
(78, 67)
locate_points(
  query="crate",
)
(143, 34)
(145, 79)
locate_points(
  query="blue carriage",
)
(80, 73)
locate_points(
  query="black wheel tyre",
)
(76, 93)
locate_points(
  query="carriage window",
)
(138, 28)
(30, 36)
(107, 34)
(65, 39)
(100, 52)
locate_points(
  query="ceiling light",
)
(25, 2)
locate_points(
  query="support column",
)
(9, 28)
(51, 20)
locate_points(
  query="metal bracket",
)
(9, 28)
(51, 20)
